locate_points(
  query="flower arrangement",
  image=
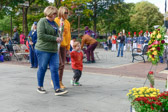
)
(150, 77)
(163, 97)
(147, 104)
(30, 40)
(156, 45)
(61, 30)
(146, 99)
(142, 92)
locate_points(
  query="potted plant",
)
(146, 99)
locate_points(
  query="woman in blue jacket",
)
(32, 39)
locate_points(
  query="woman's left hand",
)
(68, 52)
(58, 39)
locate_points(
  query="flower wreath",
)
(156, 45)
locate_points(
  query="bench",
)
(137, 52)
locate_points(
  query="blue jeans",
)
(45, 58)
(33, 57)
(120, 46)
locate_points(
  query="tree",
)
(57, 3)
(145, 16)
(84, 16)
(99, 7)
(4, 23)
(37, 4)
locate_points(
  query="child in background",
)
(76, 63)
(105, 46)
(68, 58)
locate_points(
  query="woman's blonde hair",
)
(61, 12)
(50, 10)
(76, 44)
(32, 28)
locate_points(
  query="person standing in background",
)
(129, 42)
(147, 38)
(114, 39)
(120, 40)
(15, 39)
(125, 41)
(141, 41)
(135, 40)
(32, 43)
(22, 38)
(65, 44)
(109, 43)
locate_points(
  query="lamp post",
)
(78, 12)
(166, 36)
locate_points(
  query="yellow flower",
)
(141, 95)
(133, 89)
(136, 96)
(153, 36)
(154, 93)
(147, 95)
(159, 36)
(154, 53)
(154, 89)
(153, 59)
(140, 92)
(147, 91)
(154, 33)
(158, 90)
(153, 48)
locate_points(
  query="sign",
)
(26, 4)
(78, 11)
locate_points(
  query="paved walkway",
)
(105, 85)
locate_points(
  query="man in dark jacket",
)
(15, 39)
(120, 41)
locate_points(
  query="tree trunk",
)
(57, 3)
(94, 17)
(11, 26)
(25, 25)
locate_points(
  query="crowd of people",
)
(126, 42)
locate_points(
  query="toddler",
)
(76, 63)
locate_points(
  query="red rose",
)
(26, 50)
(152, 107)
(150, 72)
(162, 41)
(158, 29)
(158, 48)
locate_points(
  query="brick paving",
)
(109, 64)
(139, 69)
